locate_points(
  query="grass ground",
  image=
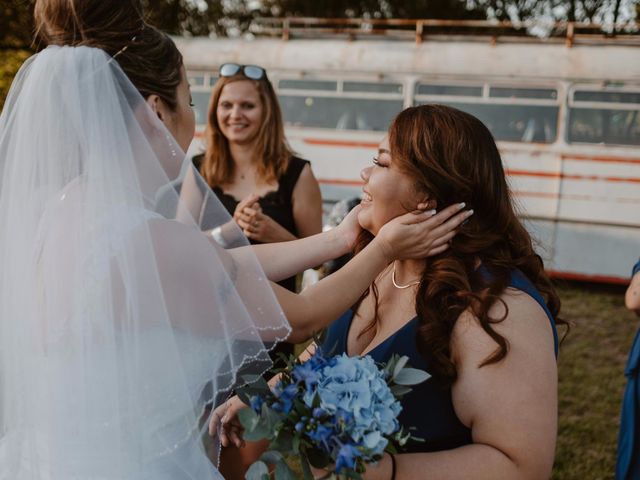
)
(591, 380)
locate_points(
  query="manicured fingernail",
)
(430, 213)
(469, 212)
(461, 205)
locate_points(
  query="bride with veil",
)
(119, 319)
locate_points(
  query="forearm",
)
(476, 461)
(283, 260)
(323, 302)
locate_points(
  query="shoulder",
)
(304, 177)
(525, 326)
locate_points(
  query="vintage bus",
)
(565, 112)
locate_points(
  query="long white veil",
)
(119, 318)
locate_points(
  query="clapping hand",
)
(258, 226)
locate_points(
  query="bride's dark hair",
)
(147, 56)
(453, 158)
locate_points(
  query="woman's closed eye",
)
(378, 163)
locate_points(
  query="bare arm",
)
(285, 259)
(307, 204)
(323, 302)
(510, 406)
(632, 296)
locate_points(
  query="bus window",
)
(600, 125)
(608, 97)
(323, 85)
(450, 90)
(340, 105)
(513, 114)
(339, 112)
(201, 105)
(372, 87)
(605, 117)
(195, 80)
(212, 80)
(508, 92)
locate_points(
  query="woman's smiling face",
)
(387, 191)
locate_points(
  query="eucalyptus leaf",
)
(400, 364)
(271, 417)
(283, 442)
(259, 432)
(257, 471)
(283, 472)
(411, 376)
(248, 418)
(255, 381)
(271, 457)
(399, 390)
(246, 399)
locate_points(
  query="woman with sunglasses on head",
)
(271, 193)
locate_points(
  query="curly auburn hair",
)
(453, 158)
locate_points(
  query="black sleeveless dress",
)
(277, 204)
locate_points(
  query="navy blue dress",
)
(628, 463)
(428, 409)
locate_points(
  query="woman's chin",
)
(365, 223)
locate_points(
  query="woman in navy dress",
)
(628, 464)
(480, 316)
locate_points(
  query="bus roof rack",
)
(433, 29)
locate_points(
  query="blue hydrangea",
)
(347, 456)
(354, 388)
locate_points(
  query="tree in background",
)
(16, 24)
(606, 12)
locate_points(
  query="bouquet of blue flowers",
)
(334, 413)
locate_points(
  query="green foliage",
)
(10, 62)
(16, 23)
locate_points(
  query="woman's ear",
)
(157, 105)
(427, 204)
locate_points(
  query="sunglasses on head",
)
(253, 72)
